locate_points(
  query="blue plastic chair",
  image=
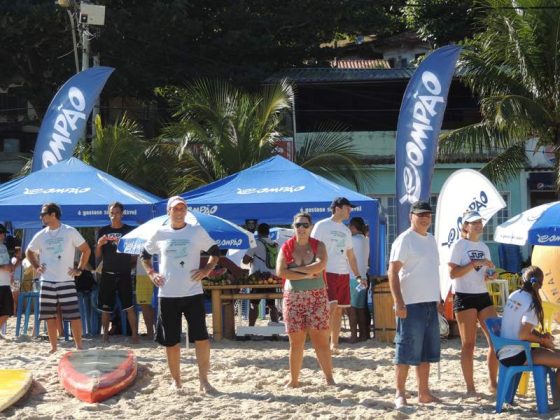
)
(508, 377)
(26, 300)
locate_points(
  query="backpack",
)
(271, 253)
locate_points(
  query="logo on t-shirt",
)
(476, 255)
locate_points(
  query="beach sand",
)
(250, 378)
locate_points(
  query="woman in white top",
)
(468, 268)
(522, 314)
(358, 312)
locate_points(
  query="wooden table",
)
(224, 296)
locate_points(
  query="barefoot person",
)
(414, 281)
(301, 262)
(180, 289)
(523, 314)
(56, 245)
(468, 265)
(116, 273)
(338, 241)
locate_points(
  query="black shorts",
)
(6, 301)
(170, 309)
(109, 286)
(518, 360)
(478, 301)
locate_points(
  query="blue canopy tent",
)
(274, 190)
(82, 192)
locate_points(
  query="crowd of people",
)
(324, 267)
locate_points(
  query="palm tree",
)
(221, 130)
(513, 65)
(121, 150)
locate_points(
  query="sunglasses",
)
(44, 213)
(303, 225)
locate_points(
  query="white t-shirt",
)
(258, 254)
(338, 240)
(179, 251)
(419, 275)
(462, 253)
(517, 311)
(361, 251)
(57, 251)
(4, 259)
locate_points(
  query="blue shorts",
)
(417, 340)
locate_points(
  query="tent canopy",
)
(273, 191)
(82, 192)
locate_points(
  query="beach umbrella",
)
(226, 234)
(537, 226)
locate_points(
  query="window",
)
(499, 218)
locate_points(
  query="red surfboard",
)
(95, 375)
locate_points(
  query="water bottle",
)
(490, 272)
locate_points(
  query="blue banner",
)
(418, 128)
(65, 120)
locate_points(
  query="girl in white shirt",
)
(524, 313)
(468, 268)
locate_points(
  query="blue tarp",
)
(273, 191)
(82, 192)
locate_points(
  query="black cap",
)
(420, 207)
(341, 201)
(3, 228)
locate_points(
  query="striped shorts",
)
(58, 293)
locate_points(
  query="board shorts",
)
(417, 339)
(338, 288)
(169, 320)
(61, 293)
(464, 301)
(305, 310)
(144, 290)
(109, 286)
(6, 301)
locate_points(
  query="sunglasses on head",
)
(303, 224)
(44, 213)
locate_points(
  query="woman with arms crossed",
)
(468, 265)
(301, 262)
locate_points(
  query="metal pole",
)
(85, 47)
(95, 111)
(76, 61)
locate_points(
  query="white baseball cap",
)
(173, 201)
(472, 216)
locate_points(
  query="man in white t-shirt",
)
(55, 247)
(338, 240)
(257, 259)
(180, 289)
(414, 281)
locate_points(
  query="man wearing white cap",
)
(180, 290)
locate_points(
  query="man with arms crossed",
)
(115, 276)
(338, 239)
(414, 281)
(51, 253)
(180, 290)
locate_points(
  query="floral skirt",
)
(305, 310)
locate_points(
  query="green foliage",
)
(441, 22)
(169, 42)
(513, 67)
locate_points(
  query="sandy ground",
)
(250, 378)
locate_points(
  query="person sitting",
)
(523, 313)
